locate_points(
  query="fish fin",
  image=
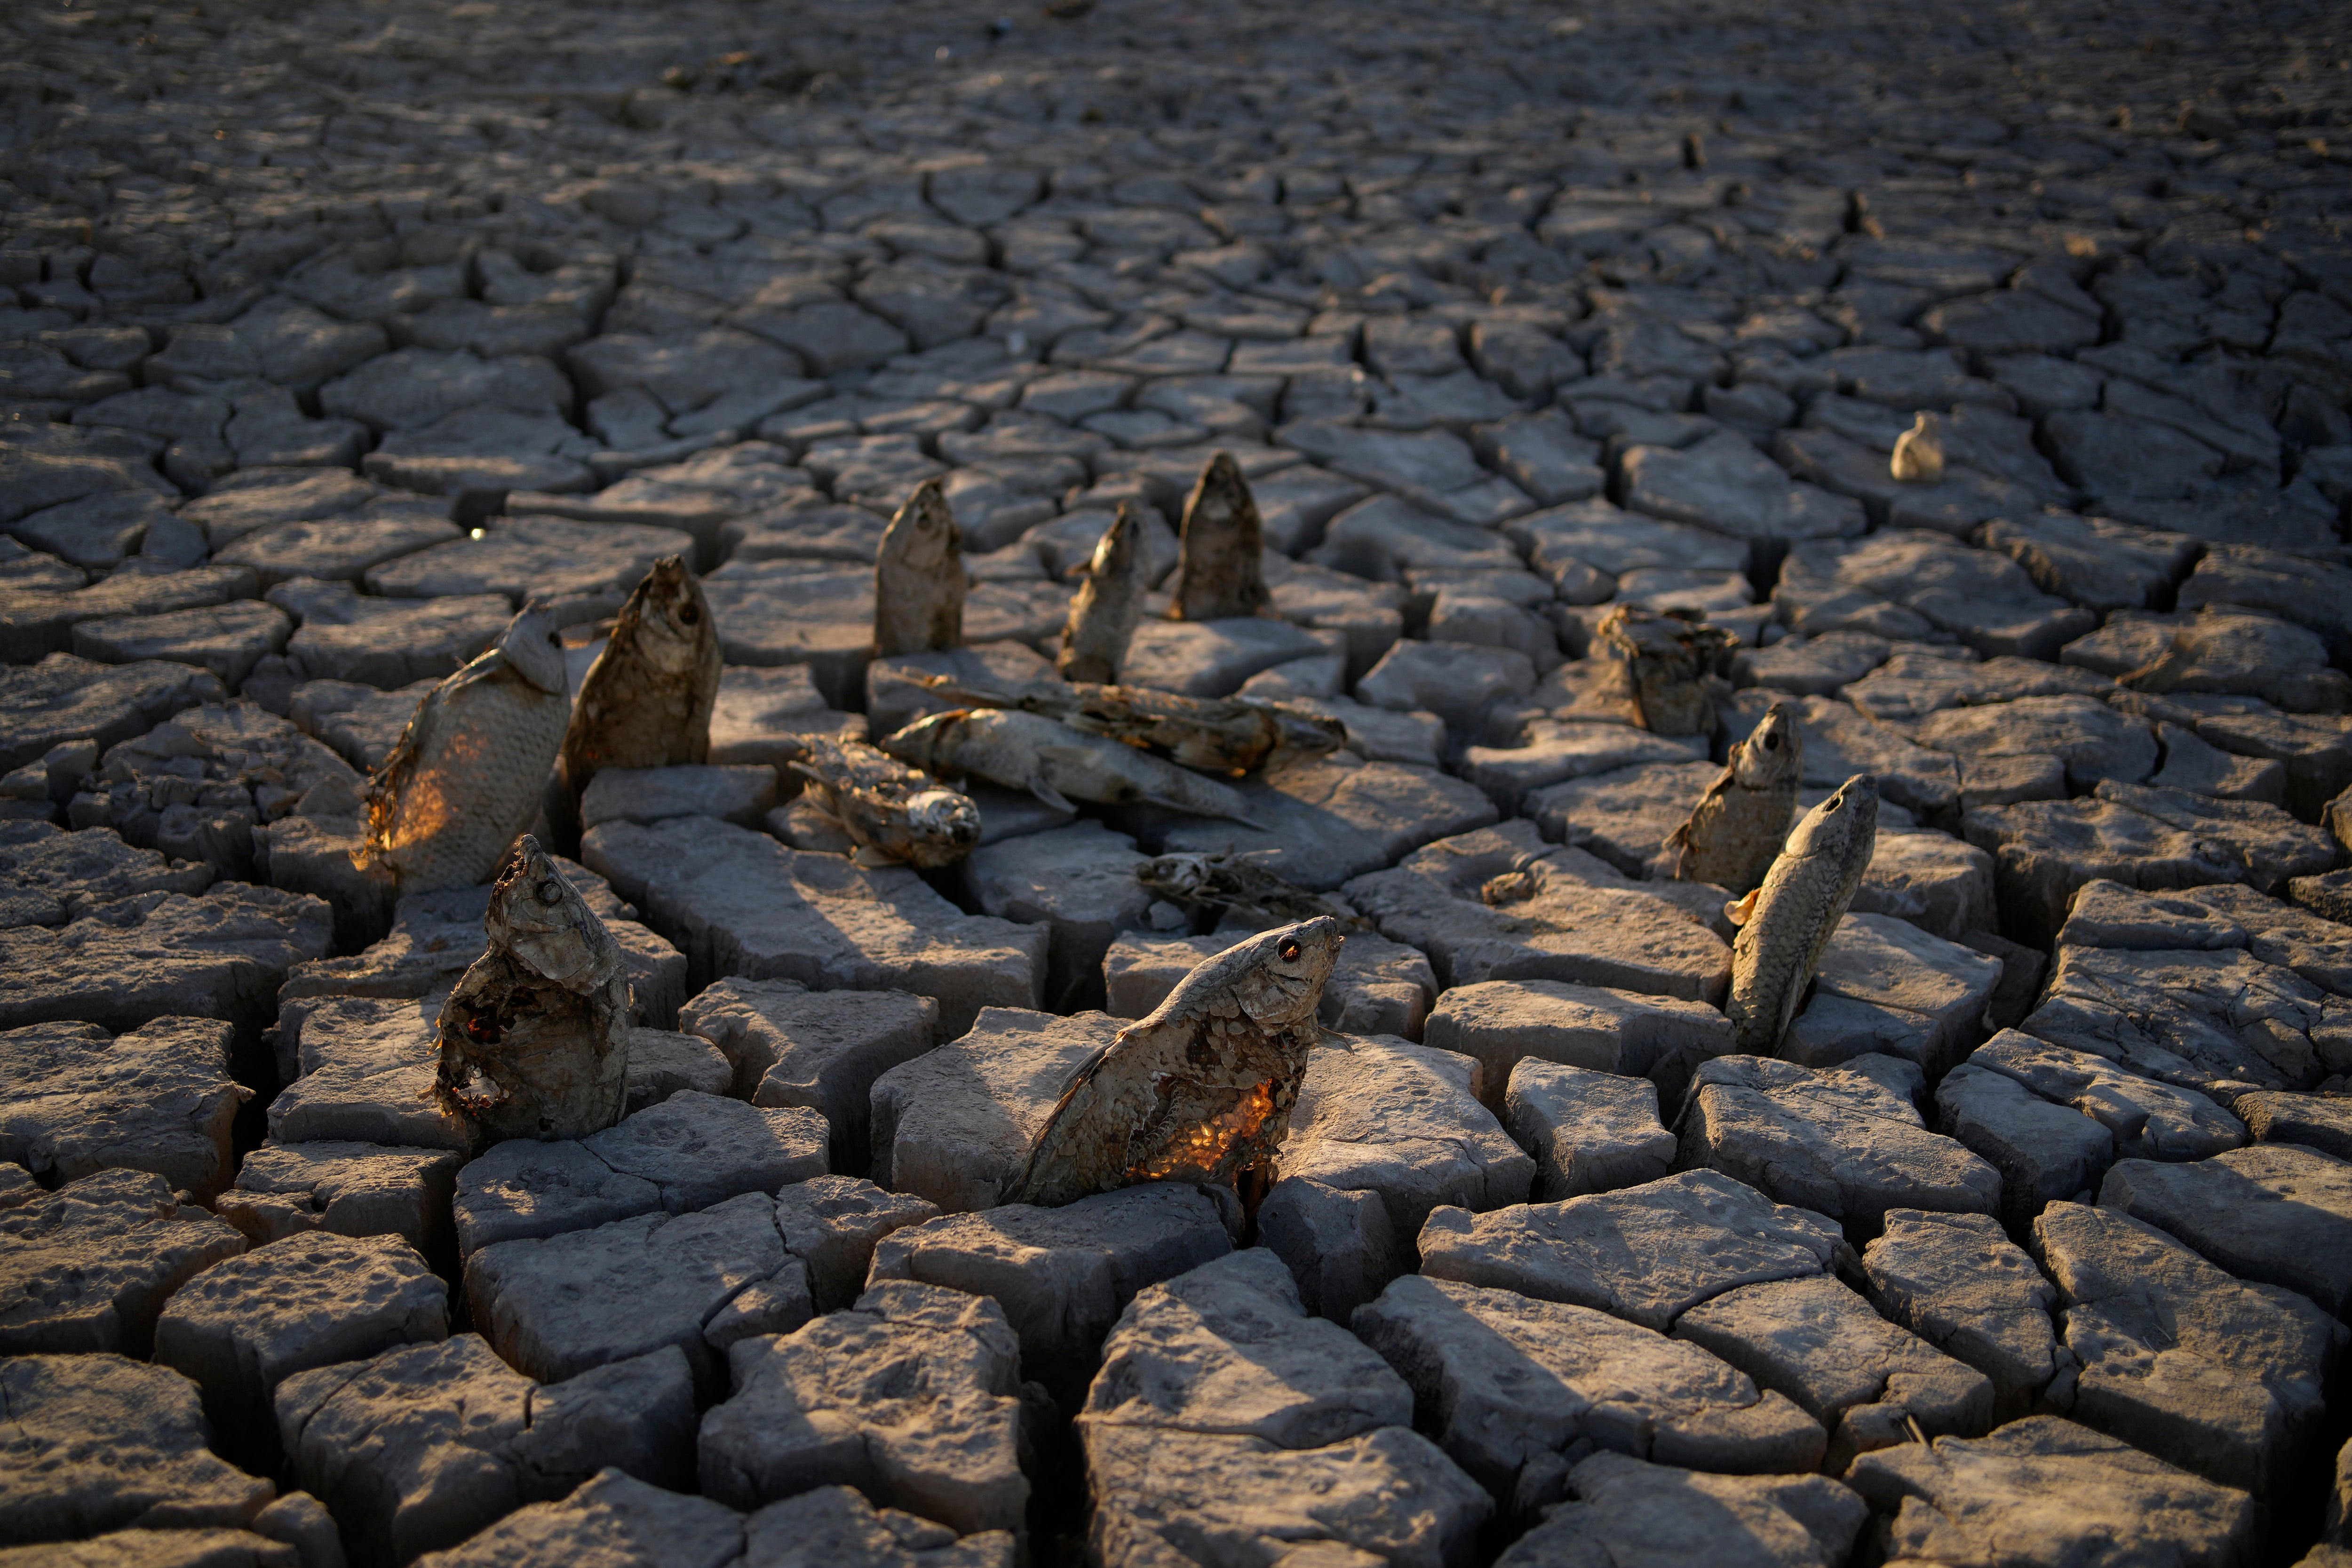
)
(1051, 796)
(871, 858)
(1738, 910)
(1334, 1040)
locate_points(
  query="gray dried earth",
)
(330, 331)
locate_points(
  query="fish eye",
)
(554, 639)
(1289, 948)
(1771, 743)
(690, 616)
(551, 891)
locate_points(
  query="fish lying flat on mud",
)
(1057, 763)
(1738, 827)
(1236, 883)
(893, 814)
(535, 1034)
(467, 774)
(1785, 924)
(647, 701)
(1201, 1089)
(1230, 736)
(1109, 604)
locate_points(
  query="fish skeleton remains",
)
(1671, 659)
(918, 578)
(1200, 1090)
(1109, 602)
(1221, 568)
(1785, 924)
(1738, 825)
(893, 814)
(1232, 735)
(1056, 763)
(535, 1034)
(1230, 882)
(467, 774)
(647, 700)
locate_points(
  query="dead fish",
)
(893, 814)
(1919, 451)
(1200, 1092)
(1232, 735)
(1109, 604)
(647, 700)
(1672, 656)
(1738, 825)
(1056, 763)
(467, 774)
(535, 1034)
(1230, 881)
(1221, 567)
(1785, 924)
(918, 578)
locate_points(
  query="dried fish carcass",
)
(1056, 763)
(1221, 569)
(893, 814)
(1785, 924)
(1672, 659)
(1738, 827)
(647, 700)
(1109, 604)
(1236, 883)
(467, 774)
(1230, 735)
(1200, 1090)
(535, 1034)
(918, 578)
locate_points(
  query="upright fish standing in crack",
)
(535, 1034)
(893, 814)
(1200, 1090)
(1221, 564)
(918, 578)
(467, 774)
(1739, 824)
(1057, 763)
(1109, 602)
(1785, 924)
(647, 701)
(1670, 658)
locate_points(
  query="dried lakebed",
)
(1976, 383)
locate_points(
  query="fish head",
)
(1120, 549)
(1281, 973)
(1774, 751)
(945, 816)
(1180, 874)
(925, 742)
(1299, 735)
(532, 647)
(923, 533)
(1842, 826)
(539, 919)
(667, 619)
